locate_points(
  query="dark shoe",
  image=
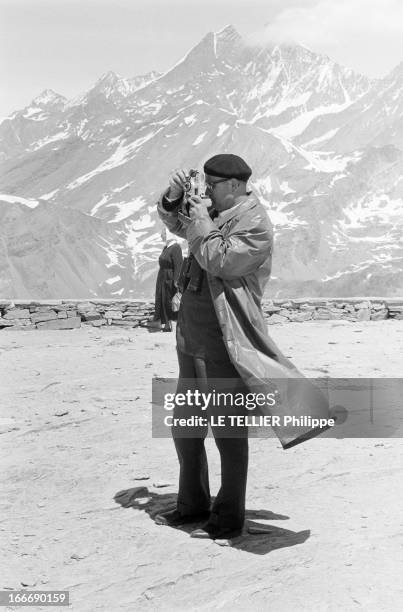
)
(173, 518)
(215, 532)
(167, 327)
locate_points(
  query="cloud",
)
(365, 34)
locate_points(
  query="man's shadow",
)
(257, 538)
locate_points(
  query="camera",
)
(194, 185)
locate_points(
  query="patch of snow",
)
(31, 203)
(190, 120)
(223, 127)
(336, 178)
(143, 222)
(165, 121)
(285, 188)
(111, 121)
(122, 154)
(155, 107)
(372, 211)
(113, 259)
(171, 91)
(32, 110)
(285, 103)
(111, 281)
(145, 245)
(296, 126)
(80, 127)
(115, 140)
(112, 253)
(98, 205)
(327, 136)
(329, 164)
(199, 139)
(277, 214)
(42, 117)
(119, 189)
(263, 185)
(9, 117)
(280, 218)
(289, 147)
(49, 196)
(44, 141)
(127, 208)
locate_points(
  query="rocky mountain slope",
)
(79, 178)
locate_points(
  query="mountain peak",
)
(110, 85)
(109, 78)
(228, 37)
(48, 97)
(229, 31)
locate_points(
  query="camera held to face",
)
(194, 185)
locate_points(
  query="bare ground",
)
(76, 442)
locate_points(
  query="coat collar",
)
(245, 204)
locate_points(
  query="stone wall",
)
(350, 309)
(70, 314)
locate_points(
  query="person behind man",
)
(230, 256)
(170, 262)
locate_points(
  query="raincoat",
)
(236, 253)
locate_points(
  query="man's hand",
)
(198, 207)
(176, 182)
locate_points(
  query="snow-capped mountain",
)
(325, 145)
(375, 119)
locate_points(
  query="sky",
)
(66, 45)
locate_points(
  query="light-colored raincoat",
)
(236, 254)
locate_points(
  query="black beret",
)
(227, 165)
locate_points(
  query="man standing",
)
(236, 246)
(221, 331)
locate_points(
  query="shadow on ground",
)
(257, 538)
